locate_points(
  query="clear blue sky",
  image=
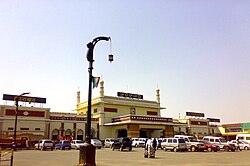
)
(197, 52)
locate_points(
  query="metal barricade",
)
(4, 154)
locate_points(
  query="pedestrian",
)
(238, 144)
(148, 144)
(27, 143)
(147, 147)
(154, 144)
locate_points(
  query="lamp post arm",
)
(92, 44)
(97, 39)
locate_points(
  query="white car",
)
(97, 143)
(137, 142)
(75, 144)
(44, 144)
(108, 142)
(243, 145)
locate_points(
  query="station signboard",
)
(24, 98)
(213, 120)
(129, 95)
(195, 114)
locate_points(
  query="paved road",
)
(107, 157)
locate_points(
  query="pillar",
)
(133, 131)
(169, 131)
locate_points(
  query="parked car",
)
(221, 142)
(122, 143)
(44, 144)
(136, 142)
(97, 143)
(174, 144)
(242, 145)
(143, 140)
(75, 144)
(192, 143)
(211, 147)
(108, 142)
(243, 137)
(63, 144)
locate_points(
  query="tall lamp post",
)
(16, 112)
(87, 152)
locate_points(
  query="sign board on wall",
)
(213, 120)
(245, 125)
(129, 95)
(24, 98)
(195, 114)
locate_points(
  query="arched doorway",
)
(68, 134)
(55, 134)
(122, 133)
(143, 134)
(79, 135)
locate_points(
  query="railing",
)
(4, 154)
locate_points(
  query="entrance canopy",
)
(136, 119)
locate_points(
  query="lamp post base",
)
(87, 155)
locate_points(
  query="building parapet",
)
(141, 118)
(67, 118)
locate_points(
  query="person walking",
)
(151, 149)
(238, 144)
(154, 144)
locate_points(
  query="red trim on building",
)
(152, 113)
(110, 110)
(199, 123)
(74, 131)
(71, 118)
(62, 129)
(24, 128)
(10, 112)
(232, 125)
(141, 118)
(49, 130)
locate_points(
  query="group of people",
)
(152, 143)
(150, 148)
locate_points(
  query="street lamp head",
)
(90, 52)
(111, 58)
(27, 93)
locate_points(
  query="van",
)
(174, 144)
(221, 142)
(244, 137)
(192, 143)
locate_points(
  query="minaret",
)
(78, 98)
(101, 88)
(158, 95)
